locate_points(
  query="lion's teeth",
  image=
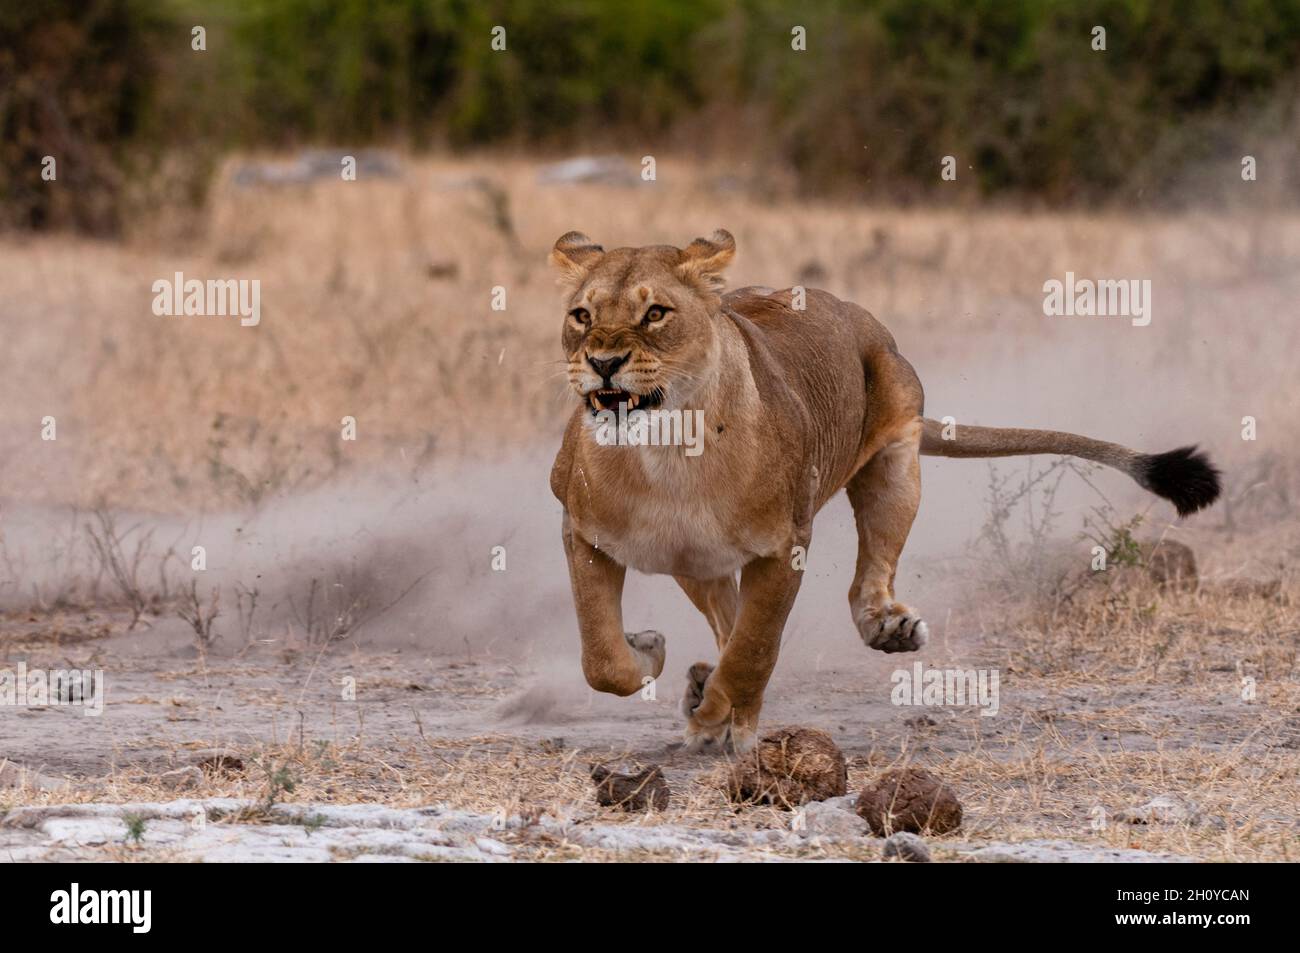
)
(632, 400)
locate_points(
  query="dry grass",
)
(1155, 710)
(376, 304)
(1044, 788)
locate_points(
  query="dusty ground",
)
(370, 560)
(512, 745)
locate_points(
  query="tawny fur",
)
(797, 405)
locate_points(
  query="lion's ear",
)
(704, 259)
(574, 255)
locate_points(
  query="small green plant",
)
(323, 756)
(279, 782)
(1116, 537)
(313, 822)
(134, 828)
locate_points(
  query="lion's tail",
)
(1184, 476)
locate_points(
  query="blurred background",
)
(884, 88)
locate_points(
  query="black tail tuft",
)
(1183, 477)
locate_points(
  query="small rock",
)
(179, 779)
(182, 779)
(908, 847)
(1171, 564)
(493, 847)
(833, 818)
(910, 799)
(606, 170)
(1164, 809)
(635, 792)
(16, 776)
(789, 767)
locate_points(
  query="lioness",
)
(797, 404)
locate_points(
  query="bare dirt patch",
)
(1067, 753)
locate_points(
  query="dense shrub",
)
(76, 82)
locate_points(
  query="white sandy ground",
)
(210, 831)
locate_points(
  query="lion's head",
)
(638, 324)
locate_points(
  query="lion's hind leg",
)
(885, 494)
(718, 599)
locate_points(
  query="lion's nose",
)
(606, 367)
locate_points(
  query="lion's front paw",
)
(892, 627)
(729, 736)
(726, 737)
(649, 647)
(712, 724)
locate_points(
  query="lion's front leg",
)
(723, 703)
(612, 660)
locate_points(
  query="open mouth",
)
(608, 398)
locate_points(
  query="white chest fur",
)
(679, 526)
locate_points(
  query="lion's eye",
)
(581, 315)
(656, 313)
